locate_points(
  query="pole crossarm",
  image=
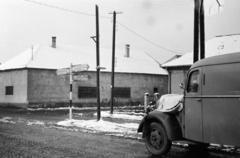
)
(115, 12)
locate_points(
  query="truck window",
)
(193, 82)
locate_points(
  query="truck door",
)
(193, 106)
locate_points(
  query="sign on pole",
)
(80, 77)
(75, 68)
(80, 67)
(70, 71)
(63, 71)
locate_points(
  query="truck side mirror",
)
(181, 85)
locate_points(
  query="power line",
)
(63, 9)
(105, 17)
(152, 57)
(147, 40)
(219, 4)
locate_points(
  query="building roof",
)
(184, 60)
(46, 57)
(221, 59)
(223, 44)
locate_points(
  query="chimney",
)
(54, 41)
(127, 53)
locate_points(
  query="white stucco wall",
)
(17, 79)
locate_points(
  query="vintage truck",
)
(207, 112)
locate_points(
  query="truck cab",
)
(207, 112)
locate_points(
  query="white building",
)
(30, 78)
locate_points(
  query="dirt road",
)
(19, 140)
(22, 140)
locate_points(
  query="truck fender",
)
(169, 122)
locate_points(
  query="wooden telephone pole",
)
(202, 31)
(113, 60)
(199, 31)
(98, 65)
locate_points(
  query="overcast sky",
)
(147, 25)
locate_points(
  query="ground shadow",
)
(188, 153)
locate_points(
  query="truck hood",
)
(170, 103)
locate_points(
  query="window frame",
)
(9, 90)
(190, 79)
(87, 92)
(119, 92)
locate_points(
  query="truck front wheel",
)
(156, 139)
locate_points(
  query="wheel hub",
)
(156, 139)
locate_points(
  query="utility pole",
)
(113, 60)
(98, 65)
(196, 31)
(202, 31)
(70, 92)
(199, 31)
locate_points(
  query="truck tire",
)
(156, 139)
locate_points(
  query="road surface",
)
(22, 140)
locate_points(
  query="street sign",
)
(63, 71)
(75, 68)
(80, 67)
(80, 77)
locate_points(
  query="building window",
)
(122, 92)
(87, 92)
(9, 90)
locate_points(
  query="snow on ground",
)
(76, 108)
(120, 115)
(48, 109)
(35, 122)
(128, 129)
(101, 126)
(7, 120)
(61, 108)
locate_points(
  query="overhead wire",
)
(147, 40)
(105, 17)
(63, 9)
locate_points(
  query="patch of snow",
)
(80, 114)
(29, 123)
(184, 60)
(120, 115)
(180, 144)
(64, 128)
(136, 136)
(79, 108)
(7, 120)
(62, 108)
(133, 113)
(101, 126)
(50, 109)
